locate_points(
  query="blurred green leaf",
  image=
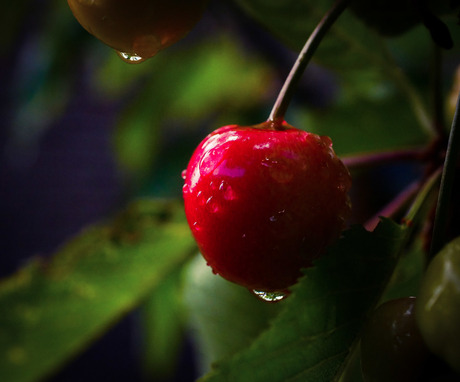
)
(51, 310)
(360, 124)
(406, 278)
(345, 48)
(358, 57)
(179, 87)
(136, 136)
(163, 320)
(224, 317)
(312, 336)
(43, 75)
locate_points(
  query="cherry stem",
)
(287, 92)
(447, 182)
(373, 159)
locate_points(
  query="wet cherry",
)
(138, 29)
(392, 348)
(264, 201)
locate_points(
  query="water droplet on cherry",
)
(201, 198)
(270, 296)
(279, 169)
(131, 58)
(228, 192)
(213, 206)
(196, 227)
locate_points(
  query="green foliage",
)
(311, 337)
(224, 317)
(176, 93)
(163, 320)
(53, 309)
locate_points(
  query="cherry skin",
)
(138, 27)
(264, 201)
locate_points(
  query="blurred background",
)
(82, 133)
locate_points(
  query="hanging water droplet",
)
(270, 296)
(131, 58)
(184, 174)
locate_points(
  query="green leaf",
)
(344, 48)
(407, 276)
(224, 317)
(163, 328)
(51, 310)
(356, 124)
(358, 57)
(312, 336)
(182, 88)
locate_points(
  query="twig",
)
(373, 159)
(287, 91)
(395, 206)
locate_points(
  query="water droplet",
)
(131, 58)
(184, 174)
(266, 162)
(326, 141)
(270, 296)
(279, 169)
(229, 193)
(212, 205)
(278, 215)
(196, 227)
(201, 198)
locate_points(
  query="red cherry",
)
(264, 201)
